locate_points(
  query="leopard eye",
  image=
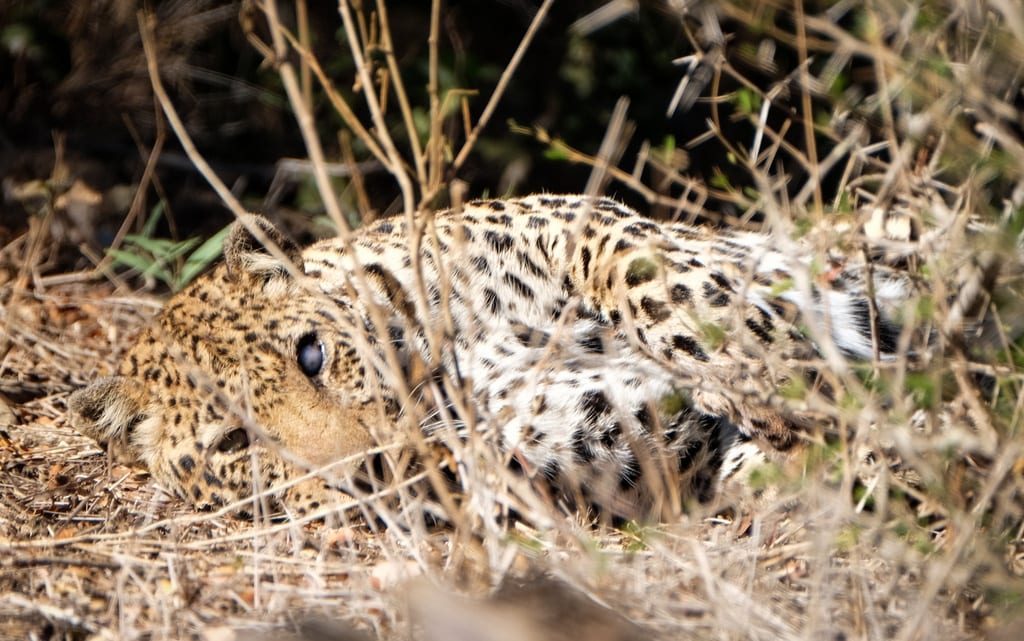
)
(234, 441)
(310, 355)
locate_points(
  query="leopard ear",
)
(107, 411)
(245, 248)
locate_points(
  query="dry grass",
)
(921, 540)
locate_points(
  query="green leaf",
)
(201, 258)
(177, 250)
(154, 217)
(556, 153)
(747, 100)
(668, 148)
(713, 335)
(795, 389)
(157, 246)
(782, 286)
(923, 387)
(132, 261)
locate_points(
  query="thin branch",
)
(499, 90)
(146, 24)
(436, 142)
(395, 163)
(304, 117)
(337, 100)
(808, 111)
(388, 46)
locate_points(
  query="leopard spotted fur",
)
(588, 346)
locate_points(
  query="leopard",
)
(589, 348)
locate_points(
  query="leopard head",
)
(247, 380)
